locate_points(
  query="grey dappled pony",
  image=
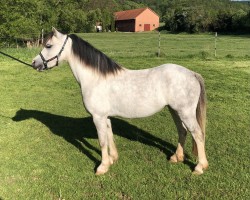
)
(109, 89)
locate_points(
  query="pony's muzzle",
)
(33, 63)
(39, 66)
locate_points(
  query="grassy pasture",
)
(49, 147)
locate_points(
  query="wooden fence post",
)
(215, 44)
(159, 44)
(42, 37)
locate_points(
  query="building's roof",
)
(129, 14)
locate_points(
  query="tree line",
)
(26, 18)
(195, 16)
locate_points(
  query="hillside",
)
(16, 21)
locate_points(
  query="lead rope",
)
(7, 55)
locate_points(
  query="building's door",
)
(146, 27)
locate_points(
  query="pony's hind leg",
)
(102, 130)
(178, 156)
(193, 126)
(112, 147)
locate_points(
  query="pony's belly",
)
(141, 102)
(137, 111)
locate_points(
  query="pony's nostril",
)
(33, 63)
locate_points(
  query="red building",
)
(137, 20)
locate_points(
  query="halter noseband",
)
(45, 62)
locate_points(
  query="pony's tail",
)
(201, 111)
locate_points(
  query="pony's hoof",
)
(205, 166)
(175, 159)
(100, 172)
(113, 159)
(198, 170)
(102, 169)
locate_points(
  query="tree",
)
(246, 21)
(25, 18)
(71, 19)
(201, 15)
(224, 21)
(93, 16)
(17, 21)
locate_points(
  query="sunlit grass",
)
(49, 147)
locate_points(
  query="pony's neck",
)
(83, 75)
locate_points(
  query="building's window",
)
(153, 24)
(139, 24)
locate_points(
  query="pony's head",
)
(53, 52)
(59, 47)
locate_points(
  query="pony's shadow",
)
(76, 130)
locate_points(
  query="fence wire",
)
(154, 44)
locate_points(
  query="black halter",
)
(45, 62)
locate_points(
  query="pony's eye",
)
(48, 46)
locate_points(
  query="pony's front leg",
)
(112, 147)
(102, 130)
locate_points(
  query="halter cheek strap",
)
(45, 62)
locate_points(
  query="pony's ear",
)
(56, 32)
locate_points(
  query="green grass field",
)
(48, 142)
